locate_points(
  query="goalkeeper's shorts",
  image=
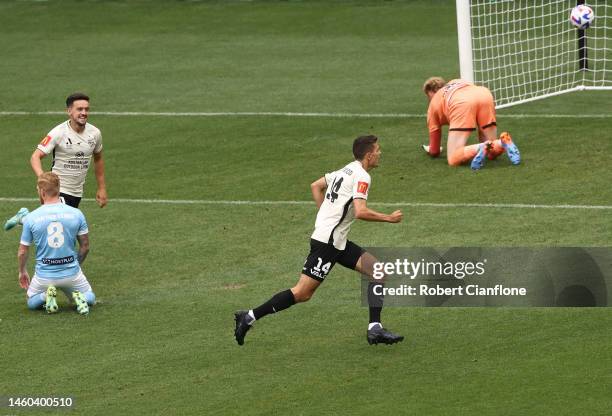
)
(470, 108)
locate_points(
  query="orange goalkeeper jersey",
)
(461, 105)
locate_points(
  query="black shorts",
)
(322, 258)
(73, 201)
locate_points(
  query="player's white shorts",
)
(67, 284)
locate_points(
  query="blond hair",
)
(433, 84)
(49, 183)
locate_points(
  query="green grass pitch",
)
(168, 277)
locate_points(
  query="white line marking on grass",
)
(18, 200)
(382, 204)
(281, 114)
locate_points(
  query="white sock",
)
(373, 324)
(252, 316)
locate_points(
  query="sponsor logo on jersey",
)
(362, 187)
(45, 141)
(79, 154)
(55, 262)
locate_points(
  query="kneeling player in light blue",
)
(54, 228)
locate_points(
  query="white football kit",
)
(336, 214)
(71, 154)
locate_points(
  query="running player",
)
(465, 107)
(72, 144)
(341, 198)
(55, 228)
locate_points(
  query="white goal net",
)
(524, 50)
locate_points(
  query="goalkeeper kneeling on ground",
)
(465, 107)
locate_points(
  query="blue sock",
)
(90, 297)
(36, 301)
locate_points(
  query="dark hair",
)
(363, 145)
(75, 97)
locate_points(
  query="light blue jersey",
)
(53, 228)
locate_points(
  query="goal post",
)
(464, 36)
(526, 50)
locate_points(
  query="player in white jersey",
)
(72, 144)
(341, 197)
(54, 228)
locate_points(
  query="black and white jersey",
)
(336, 214)
(71, 154)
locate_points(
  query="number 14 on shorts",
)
(325, 268)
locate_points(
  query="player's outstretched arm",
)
(101, 196)
(362, 212)
(22, 257)
(36, 162)
(434, 149)
(318, 188)
(83, 247)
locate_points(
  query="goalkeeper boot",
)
(379, 335)
(242, 326)
(483, 150)
(16, 219)
(51, 303)
(81, 304)
(511, 150)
